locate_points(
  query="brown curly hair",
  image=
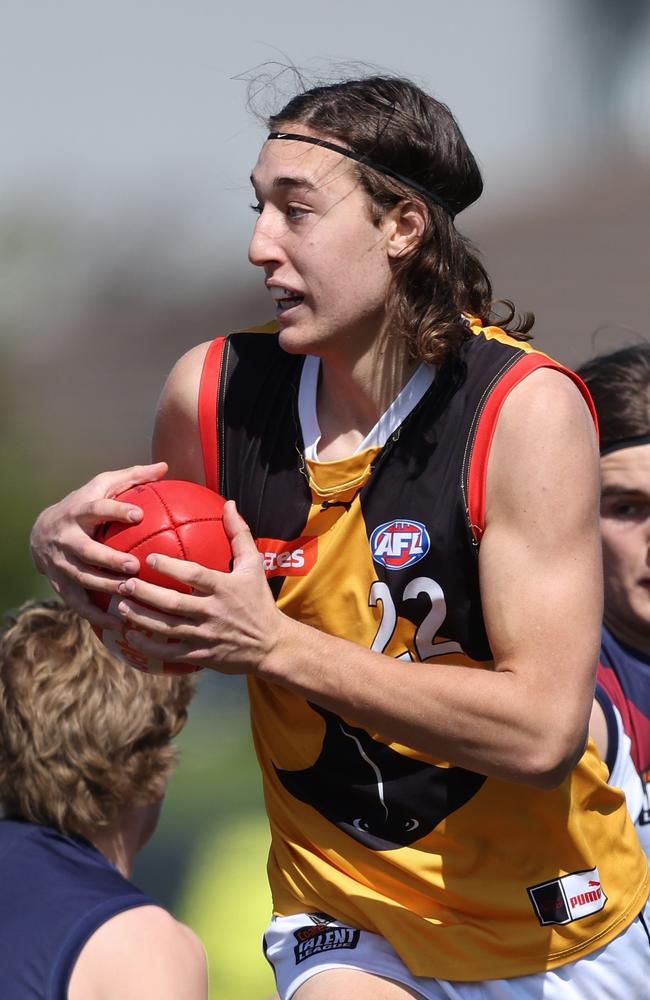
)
(619, 383)
(82, 734)
(396, 124)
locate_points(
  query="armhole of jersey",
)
(486, 426)
(208, 412)
(605, 703)
(63, 967)
(608, 680)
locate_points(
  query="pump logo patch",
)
(398, 544)
(568, 898)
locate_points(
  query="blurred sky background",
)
(124, 155)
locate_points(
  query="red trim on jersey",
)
(207, 412)
(487, 423)
(608, 680)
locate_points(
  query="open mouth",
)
(284, 298)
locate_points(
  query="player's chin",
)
(298, 334)
(292, 341)
(638, 616)
(644, 617)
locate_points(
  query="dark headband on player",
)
(367, 162)
(631, 442)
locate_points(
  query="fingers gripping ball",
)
(180, 519)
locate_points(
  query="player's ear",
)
(404, 225)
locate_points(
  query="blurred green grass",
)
(207, 860)
(228, 903)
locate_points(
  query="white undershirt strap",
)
(390, 420)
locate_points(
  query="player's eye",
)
(296, 211)
(257, 207)
(627, 510)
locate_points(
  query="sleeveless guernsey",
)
(624, 683)
(625, 674)
(56, 892)
(467, 877)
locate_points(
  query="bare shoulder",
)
(141, 954)
(547, 399)
(182, 385)
(176, 437)
(545, 435)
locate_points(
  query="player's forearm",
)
(487, 721)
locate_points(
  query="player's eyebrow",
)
(620, 489)
(288, 182)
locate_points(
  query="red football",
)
(181, 519)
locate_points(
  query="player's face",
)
(325, 261)
(625, 526)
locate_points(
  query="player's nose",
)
(265, 246)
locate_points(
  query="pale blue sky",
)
(137, 96)
(128, 113)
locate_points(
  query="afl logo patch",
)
(398, 544)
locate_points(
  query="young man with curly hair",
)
(421, 633)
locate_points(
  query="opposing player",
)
(85, 754)
(423, 487)
(620, 385)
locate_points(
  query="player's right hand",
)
(64, 549)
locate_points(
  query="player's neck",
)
(353, 394)
(121, 841)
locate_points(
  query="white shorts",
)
(301, 946)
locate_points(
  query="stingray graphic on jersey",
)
(381, 798)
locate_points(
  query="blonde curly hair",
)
(82, 734)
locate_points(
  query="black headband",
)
(367, 162)
(631, 442)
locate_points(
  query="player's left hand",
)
(228, 623)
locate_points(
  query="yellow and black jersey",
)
(467, 877)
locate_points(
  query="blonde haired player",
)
(85, 755)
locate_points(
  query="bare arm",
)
(598, 729)
(141, 954)
(176, 433)
(540, 580)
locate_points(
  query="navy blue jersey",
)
(624, 679)
(625, 674)
(56, 892)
